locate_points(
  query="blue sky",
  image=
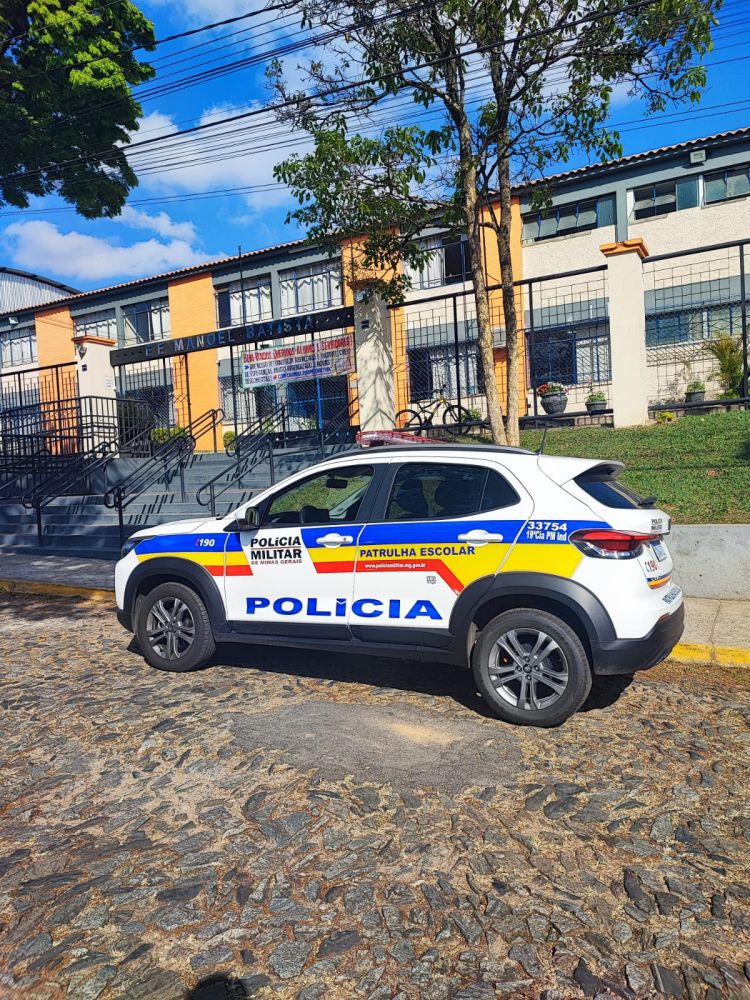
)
(179, 214)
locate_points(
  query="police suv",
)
(536, 571)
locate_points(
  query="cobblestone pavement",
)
(336, 827)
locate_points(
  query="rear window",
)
(607, 490)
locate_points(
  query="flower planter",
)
(554, 403)
(695, 397)
(597, 406)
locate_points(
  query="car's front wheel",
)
(531, 668)
(173, 628)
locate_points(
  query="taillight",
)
(607, 544)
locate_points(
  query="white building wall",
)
(695, 227)
(566, 253)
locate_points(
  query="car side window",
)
(429, 490)
(332, 497)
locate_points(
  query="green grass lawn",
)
(698, 467)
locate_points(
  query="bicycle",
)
(456, 417)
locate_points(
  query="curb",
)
(42, 589)
(698, 652)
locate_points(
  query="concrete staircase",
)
(83, 526)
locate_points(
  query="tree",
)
(543, 72)
(66, 72)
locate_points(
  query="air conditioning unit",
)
(498, 336)
(697, 156)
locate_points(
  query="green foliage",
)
(695, 386)
(383, 191)
(383, 215)
(596, 397)
(727, 351)
(664, 416)
(228, 438)
(698, 467)
(160, 435)
(67, 68)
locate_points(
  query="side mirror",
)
(249, 520)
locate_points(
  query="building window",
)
(18, 347)
(661, 198)
(102, 323)
(574, 355)
(146, 321)
(449, 370)
(309, 288)
(684, 326)
(449, 263)
(243, 302)
(562, 220)
(726, 184)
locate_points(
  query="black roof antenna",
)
(540, 450)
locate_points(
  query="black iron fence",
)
(25, 389)
(696, 306)
(563, 326)
(566, 334)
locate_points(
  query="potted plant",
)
(596, 402)
(553, 396)
(695, 392)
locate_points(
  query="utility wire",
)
(354, 85)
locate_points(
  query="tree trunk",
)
(472, 211)
(503, 233)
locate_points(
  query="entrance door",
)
(444, 526)
(295, 572)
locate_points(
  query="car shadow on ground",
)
(36, 607)
(417, 677)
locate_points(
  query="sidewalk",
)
(715, 631)
(22, 572)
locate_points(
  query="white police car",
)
(536, 571)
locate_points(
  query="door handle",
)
(334, 539)
(478, 536)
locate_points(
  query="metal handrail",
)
(260, 426)
(87, 464)
(164, 464)
(13, 489)
(208, 494)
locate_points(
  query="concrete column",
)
(96, 377)
(627, 331)
(374, 361)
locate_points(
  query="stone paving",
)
(344, 828)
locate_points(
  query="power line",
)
(161, 89)
(353, 85)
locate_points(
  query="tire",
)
(554, 691)
(154, 614)
(457, 417)
(412, 421)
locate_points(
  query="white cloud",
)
(160, 223)
(43, 248)
(202, 166)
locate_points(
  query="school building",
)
(622, 278)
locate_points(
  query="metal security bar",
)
(566, 333)
(696, 305)
(564, 329)
(33, 386)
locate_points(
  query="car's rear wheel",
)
(531, 668)
(174, 629)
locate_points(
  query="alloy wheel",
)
(528, 669)
(170, 628)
